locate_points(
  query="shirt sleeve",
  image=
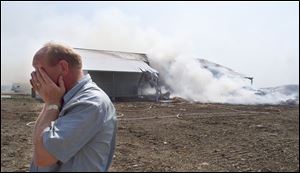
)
(69, 133)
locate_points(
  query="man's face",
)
(53, 71)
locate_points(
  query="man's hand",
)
(47, 89)
(51, 94)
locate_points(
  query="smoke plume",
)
(174, 57)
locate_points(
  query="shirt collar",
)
(85, 79)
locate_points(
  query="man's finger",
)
(34, 77)
(61, 82)
(45, 76)
(39, 77)
(33, 85)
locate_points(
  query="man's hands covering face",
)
(47, 89)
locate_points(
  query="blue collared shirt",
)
(83, 136)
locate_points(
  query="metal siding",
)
(127, 84)
(117, 84)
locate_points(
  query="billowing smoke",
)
(181, 72)
(186, 77)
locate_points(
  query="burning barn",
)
(120, 74)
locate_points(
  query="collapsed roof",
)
(218, 70)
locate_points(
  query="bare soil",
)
(176, 136)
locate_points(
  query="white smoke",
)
(111, 29)
(186, 78)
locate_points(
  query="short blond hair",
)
(55, 52)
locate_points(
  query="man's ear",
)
(64, 65)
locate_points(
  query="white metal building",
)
(119, 74)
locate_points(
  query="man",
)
(76, 129)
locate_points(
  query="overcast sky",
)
(259, 39)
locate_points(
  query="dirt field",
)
(176, 136)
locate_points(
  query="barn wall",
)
(117, 84)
